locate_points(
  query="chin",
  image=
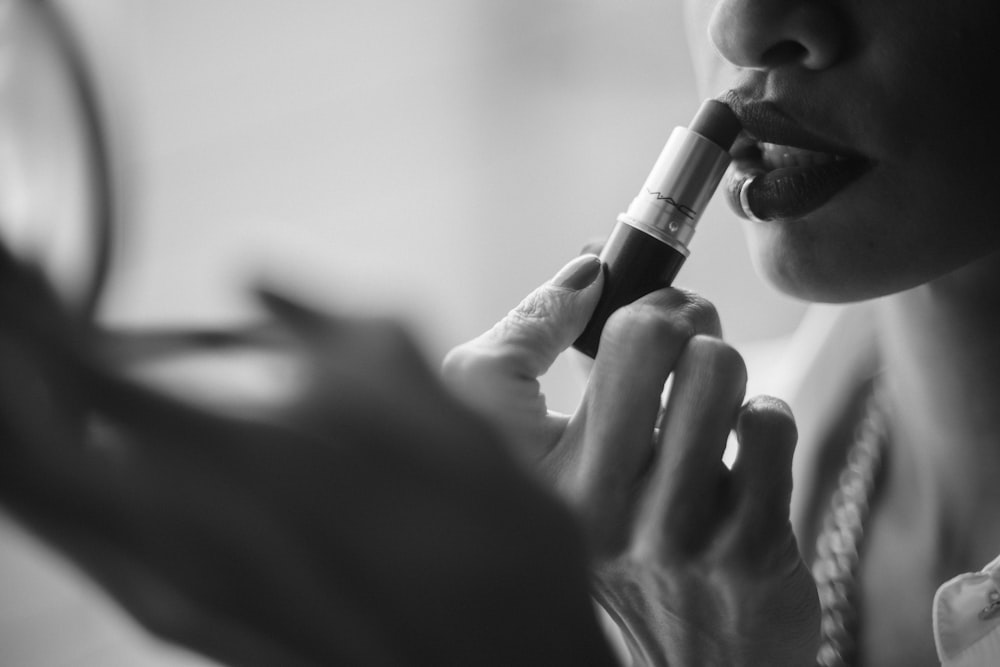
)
(821, 271)
(815, 268)
(873, 240)
(801, 281)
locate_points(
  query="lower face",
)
(901, 192)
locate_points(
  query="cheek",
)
(713, 74)
(926, 67)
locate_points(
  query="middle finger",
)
(686, 491)
(612, 432)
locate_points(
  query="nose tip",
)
(764, 34)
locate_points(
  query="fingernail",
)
(579, 273)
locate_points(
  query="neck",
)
(940, 346)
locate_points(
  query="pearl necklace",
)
(838, 547)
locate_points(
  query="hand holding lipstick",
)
(697, 563)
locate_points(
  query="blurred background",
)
(435, 160)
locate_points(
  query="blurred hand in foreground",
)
(371, 520)
(697, 563)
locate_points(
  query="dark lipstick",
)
(781, 170)
(649, 243)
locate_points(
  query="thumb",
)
(497, 373)
(549, 319)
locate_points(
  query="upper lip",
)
(765, 121)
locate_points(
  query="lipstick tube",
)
(649, 243)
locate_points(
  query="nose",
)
(764, 34)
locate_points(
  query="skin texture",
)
(902, 84)
(906, 85)
(696, 563)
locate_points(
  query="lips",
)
(780, 170)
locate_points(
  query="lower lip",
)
(790, 192)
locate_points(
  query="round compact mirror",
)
(55, 190)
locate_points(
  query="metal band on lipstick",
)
(649, 243)
(678, 188)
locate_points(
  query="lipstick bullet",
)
(649, 242)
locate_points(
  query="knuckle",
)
(668, 549)
(516, 346)
(468, 362)
(668, 314)
(535, 308)
(700, 311)
(527, 329)
(643, 325)
(644, 549)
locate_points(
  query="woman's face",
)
(870, 134)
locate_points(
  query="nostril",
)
(784, 53)
(762, 34)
